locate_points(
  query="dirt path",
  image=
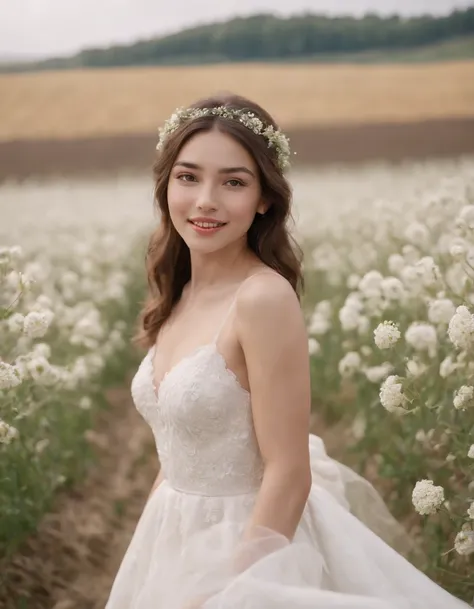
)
(439, 138)
(71, 562)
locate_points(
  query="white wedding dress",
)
(187, 550)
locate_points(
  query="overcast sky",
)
(59, 27)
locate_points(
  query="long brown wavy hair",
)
(168, 261)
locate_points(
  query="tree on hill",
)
(266, 37)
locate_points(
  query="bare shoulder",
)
(267, 298)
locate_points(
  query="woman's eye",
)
(235, 183)
(186, 177)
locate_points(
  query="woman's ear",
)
(262, 207)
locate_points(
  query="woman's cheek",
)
(178, 204)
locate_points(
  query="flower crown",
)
(276, 139)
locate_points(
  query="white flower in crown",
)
(276, 139)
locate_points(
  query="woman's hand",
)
(196, 603)
(193, 605)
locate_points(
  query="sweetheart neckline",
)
(193, 353)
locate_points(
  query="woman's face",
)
(214, 192)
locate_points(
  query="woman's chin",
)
(202, 243)
(204, 246)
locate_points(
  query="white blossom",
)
(470, 511)
(358, 427)
(428, 271)
(80, 370)
(456, 278)
(470, 257)
(325, 258)
(415, 368)
(349, 318)
(43, 303)
(466, 217)
(318, 324)
(324, 307)
(116, 292)
(354, 301)
(426, 497)
(410, 277)
(7, 433)
(461, 328)
(393, 289)
(69, 279)
(85, 403)
(12, 282)
(464, 541)
(396, 263)
(447, 367)
(470, 452)
(375, 305)
(457, 251)
(21, 365)
(391, 395)
(16, 252)
(441, 311)
(349, 364)
(38, 272)
(370, 284)
(420, 435)
(464, 397)
(94, 362)
(386, 334)
(353, 281)
(42, 350)
(41, 445)
(411, 254)
(9, 376)
(417, 233)
(363, 326)
(18, 281)
(15, 322)
(422, 337)
(41, 371)
(376, 374)
(88, 326)
(116, 339)
(36, 323)
(314, 347)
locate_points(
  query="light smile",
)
(207, 224)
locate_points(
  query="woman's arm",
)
(158, 480)
(272, 332)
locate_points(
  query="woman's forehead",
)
(214, 150)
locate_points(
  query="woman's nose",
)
(206, 200)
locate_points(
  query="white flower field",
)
(391, 320)
(389, 298)
(70, 284)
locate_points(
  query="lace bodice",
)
(201, 418)
(202, 422)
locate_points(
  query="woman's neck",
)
(210, 271)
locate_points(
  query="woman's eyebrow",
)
(237, 170)
(226, 170)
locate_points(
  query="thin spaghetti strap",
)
(231, 306)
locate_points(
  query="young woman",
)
(245, 513)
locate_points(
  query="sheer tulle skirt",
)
(187, 551)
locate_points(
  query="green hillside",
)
(449, 50)
(300, 38)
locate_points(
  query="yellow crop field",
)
(84, 103)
